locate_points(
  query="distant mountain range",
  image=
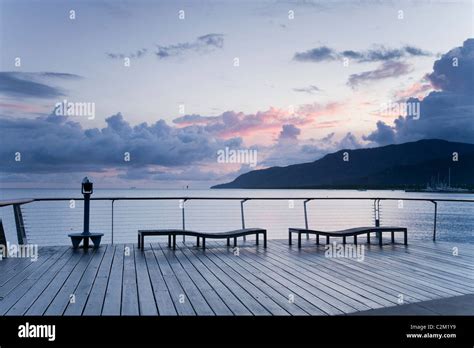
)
(402, 166)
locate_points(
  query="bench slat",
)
(217, 235)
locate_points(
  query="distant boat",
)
(442, 187)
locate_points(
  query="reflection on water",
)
(50, 222)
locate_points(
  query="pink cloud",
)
(263, 125)
(416, 90)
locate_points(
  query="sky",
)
(159, 88)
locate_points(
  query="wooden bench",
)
(354, 232)
(172, 233)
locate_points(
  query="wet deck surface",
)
(279, 280)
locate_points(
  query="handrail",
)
(186, 198)
(6, 203)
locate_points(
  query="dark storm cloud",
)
(447, 114)
(57, 144)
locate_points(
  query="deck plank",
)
(83, 289)
(46, 297)
(64, 296)
(255, 281)
(146, 298)
(177, 293)
(211, 296)
(277, 292)
(234, 304)
(372, 296)
(273, 307)
(113, 295)
(30, 285)
(34, 266)
(96, 297)
(129, 281)
(164, 302)
(238, 289)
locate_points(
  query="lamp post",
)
(87, 189)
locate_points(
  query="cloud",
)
(58, 144)
(349, 141)
(137, 54)
(293, 151)
(417, 90)
(383, 135)
(311, 89)
(377, 54)
(260, 124)
(446, 114)
(386, 70)
(31, 85)
(318, 54)
(454, 72)
(289, 132)
(202, 44)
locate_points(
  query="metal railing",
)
(22, 233)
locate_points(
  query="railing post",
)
(183, 218)
(20, 226)
(435, 218)
(242, 214)
(377, 212)
(377, 216)
(3, 240)
(112, 241)
(306, 216)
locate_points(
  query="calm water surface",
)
(48, 223)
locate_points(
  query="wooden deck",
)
(279, 280)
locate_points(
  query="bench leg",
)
(228, 241)
(265, 239)
(142, 243)
(380, 238)
(368, 237)
(256, 236)
(405, 233)
(203, 243)
(139, 241)
(169, 240)
(289, 237)
(317, 239)
(327, 239)
(343, 239)
(174, 242)
(198, 241)
(355, 240)
(299, 240)
(393, 237)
